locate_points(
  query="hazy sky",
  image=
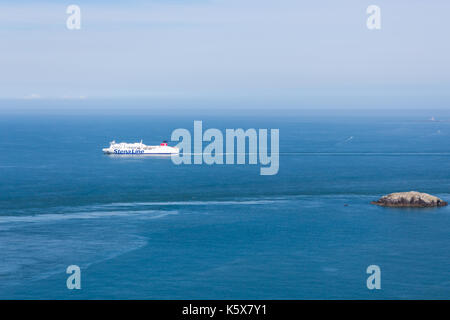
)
(306, 51)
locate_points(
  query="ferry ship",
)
(139, 148)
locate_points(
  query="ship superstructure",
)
(139, 148)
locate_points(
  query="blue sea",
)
(144, 228)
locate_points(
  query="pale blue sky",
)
(316, 52)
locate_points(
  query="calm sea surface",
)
(142, 227)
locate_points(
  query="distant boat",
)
(139, 148)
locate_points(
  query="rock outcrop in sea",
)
(410, 199)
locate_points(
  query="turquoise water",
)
(142, 227)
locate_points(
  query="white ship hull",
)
(139, 149)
